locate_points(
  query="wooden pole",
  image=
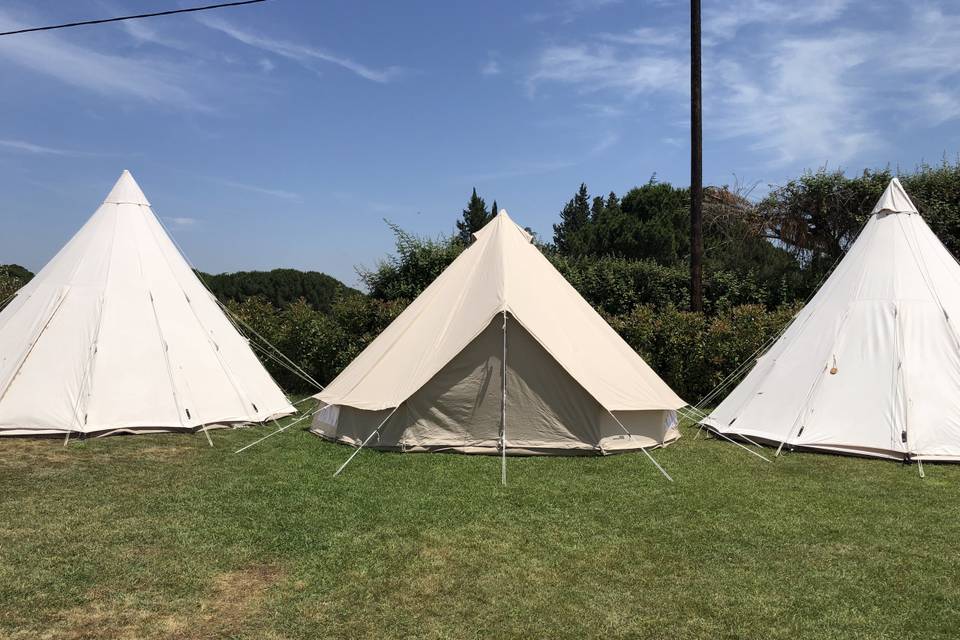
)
(696, 163)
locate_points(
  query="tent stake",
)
(207, 433)
(920, 467)
(66, 440)
(364, 443)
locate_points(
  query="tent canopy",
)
(871, 365)
(452, 331)
(116, 333)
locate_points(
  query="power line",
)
(136, 17)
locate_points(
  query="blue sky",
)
(282, 134)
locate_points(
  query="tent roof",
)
(894, 200)
(501, 271)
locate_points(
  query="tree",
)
(12, 279)
(494, 210)
(573, 219)
(415, 264)
(473, 219)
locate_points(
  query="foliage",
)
(320, 343)
(12, 279)
(281, 287)
(694, 352)
(617, 285)
(417, 263)
(473, 218)
(817, 216)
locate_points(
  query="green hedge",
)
(694, 352)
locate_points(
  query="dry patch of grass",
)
(232, 602)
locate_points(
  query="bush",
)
(694, 352)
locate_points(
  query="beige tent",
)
(434, 379)
(116, 333)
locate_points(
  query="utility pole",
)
(696, 164)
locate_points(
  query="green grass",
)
(163, 537)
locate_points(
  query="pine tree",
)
(474, 217)
(494, 210)
(574, 217)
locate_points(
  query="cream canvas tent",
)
(116, 333)
(434, 379)
(871, 366)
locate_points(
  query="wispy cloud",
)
(795, 115)
(304, 54)
(606, 142)
(803, 90)
(492, 65)
(722, 20)
(518, 170)
(646, 36)
(275, 193)
(266, 65)
(568, 10)
(595, 68)
(149, 80)
(181, 223)
(29, 147)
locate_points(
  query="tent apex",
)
(894, 200)
(126, 191)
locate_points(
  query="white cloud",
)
(149, 80)
(275, 193)
(181, 223)
(802, 90)
(596, 68)
(29, 147)
(722, 20)
(303, 54)
(490, 68)
(518, 170)
(568, 11)
(646, 36)
(607, 141)
(804, 109)
(266, 65)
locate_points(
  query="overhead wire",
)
(170, 12)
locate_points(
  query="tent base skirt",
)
(608, 446)
(835, 449)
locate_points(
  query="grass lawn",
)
(163, 537)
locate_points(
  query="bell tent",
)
(499, 355)
(871, 365)
(117, 334)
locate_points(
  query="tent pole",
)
(364, 443)
(503, 405)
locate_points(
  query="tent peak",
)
(894, 200)
(126, 191)
(501, 223)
